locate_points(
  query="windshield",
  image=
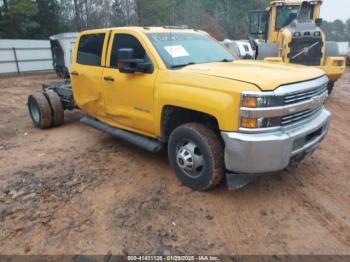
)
(286, 14)
(181, 49)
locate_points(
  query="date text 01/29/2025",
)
(173, 258)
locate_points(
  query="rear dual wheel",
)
(45, 111)
(56, 107)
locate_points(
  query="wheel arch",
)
(174, 116)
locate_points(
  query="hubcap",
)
(190, 158)
(34, 110)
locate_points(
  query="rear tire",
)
(40, 111)
(57, 108)
(197, 156)
(330, 87)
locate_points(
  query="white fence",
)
(22, 56)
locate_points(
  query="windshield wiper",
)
(225, 60)
(182, 65)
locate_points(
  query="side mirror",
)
(319, 22)
(127, 63)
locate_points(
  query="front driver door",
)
(129, 97)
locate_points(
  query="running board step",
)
(148, 144)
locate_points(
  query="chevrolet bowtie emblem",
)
(317, 101)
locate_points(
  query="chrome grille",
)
(300, 116)
(305, 95)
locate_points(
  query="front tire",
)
(197, 156)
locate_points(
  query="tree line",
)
(39, 19)
(42, 18)
(337, 30)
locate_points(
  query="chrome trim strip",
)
(281, 111)
(291, 89)
(259, 130)
(301, 87)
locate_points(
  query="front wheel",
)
(197, 156)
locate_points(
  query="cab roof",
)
(148, 29)
(295, 2)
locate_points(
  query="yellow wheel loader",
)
(289, 31)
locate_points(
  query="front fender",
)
(219, 104)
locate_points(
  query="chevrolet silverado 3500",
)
(180, 89)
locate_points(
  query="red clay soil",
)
(75, 190)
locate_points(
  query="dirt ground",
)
(75, 190)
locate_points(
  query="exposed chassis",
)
(64, 90)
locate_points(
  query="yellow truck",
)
(162, 87)
(290, 30)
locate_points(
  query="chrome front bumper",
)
(273, 151)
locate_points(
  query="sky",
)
(335, 9)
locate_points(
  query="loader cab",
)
(267, 24)
(258, 24)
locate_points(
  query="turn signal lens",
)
(249, 101)
(249, 122)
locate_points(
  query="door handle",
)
(74, 73)
(109, 78)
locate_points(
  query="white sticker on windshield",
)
(176, 51)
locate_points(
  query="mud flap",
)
(238, 181)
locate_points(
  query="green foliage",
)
(48, 18)
(336, 30)
(30, 19)
(17, 18)
(220, 18)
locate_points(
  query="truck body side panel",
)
(87, 80)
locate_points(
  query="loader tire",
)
(56, 107)
(40, 111)
(197, 156)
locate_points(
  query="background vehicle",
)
(343, 48)
(61, 48)
(291, 30)
(242, 48)
(180, 89)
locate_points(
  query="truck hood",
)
(265, 75)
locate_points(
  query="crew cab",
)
(175, 88)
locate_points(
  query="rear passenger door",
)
(86, 72)
(129, 97)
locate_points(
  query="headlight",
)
(255, 101)
(260, 122)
